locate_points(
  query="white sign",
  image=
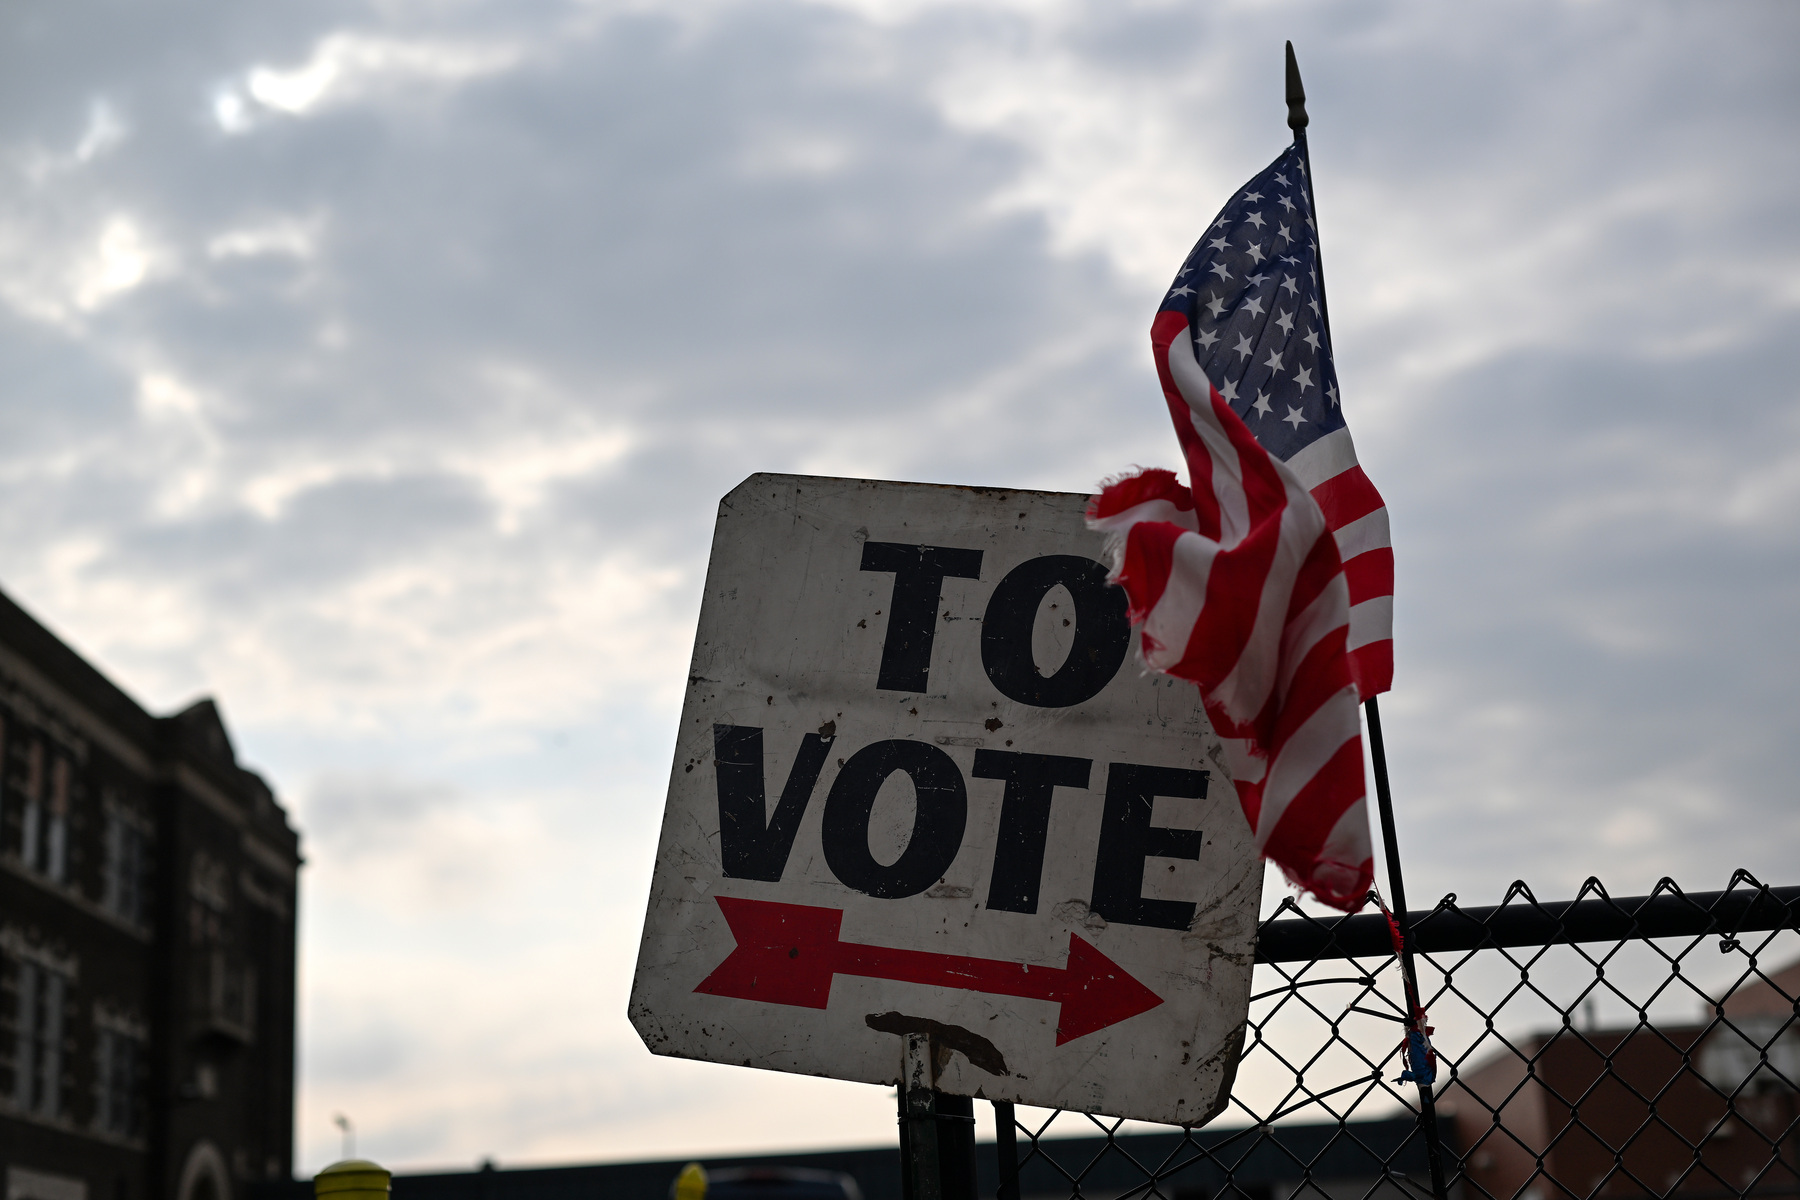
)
(922, 786)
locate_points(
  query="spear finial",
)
(1296, 95)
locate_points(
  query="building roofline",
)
(174, 747)
(84, 682)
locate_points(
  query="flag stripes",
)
(1238, 587)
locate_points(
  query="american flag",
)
(1239, 584)
(1250, 298)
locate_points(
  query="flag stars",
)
(1246, 289)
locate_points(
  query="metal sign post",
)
(930, 825)
(937, 1132)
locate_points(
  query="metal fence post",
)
(956, 1146)
(1006, 1150)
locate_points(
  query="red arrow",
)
(788, 953)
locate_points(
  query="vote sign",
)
(922, 786)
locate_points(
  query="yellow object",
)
(353, 1179)
(691, 1183)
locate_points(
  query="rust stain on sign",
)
(980, 1052)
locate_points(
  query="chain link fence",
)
(1589, 1048)
(1597, 1047)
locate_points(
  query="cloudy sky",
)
(376, 366)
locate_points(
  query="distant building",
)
(1266, 1164)
(146, 943)
(1651, 1110)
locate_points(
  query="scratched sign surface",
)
(922, 785)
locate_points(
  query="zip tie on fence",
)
(1418, 1056)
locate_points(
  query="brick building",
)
(1642, 1111)
(147, 896)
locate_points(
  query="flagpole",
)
(1384, 802)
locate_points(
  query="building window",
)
(224, 987)
(31, 792)
(44, 823)
(119, 1079)
(56, 820)
(127, 865)
(209, 900)
(228, 1005)
(38, 999)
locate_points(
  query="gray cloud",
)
(379, 367)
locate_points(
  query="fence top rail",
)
(1524, 921)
